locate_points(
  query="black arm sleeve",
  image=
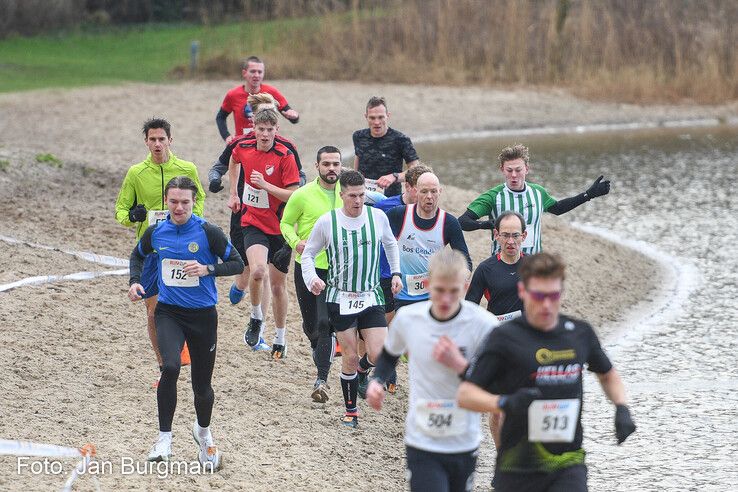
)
(220, 120)
(455, 237)
(218, 170)
(396, 217)
(385, 366)
(136, 261)
(567, 204)
(219, 244)
(469, 221)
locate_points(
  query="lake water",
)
(674, 191)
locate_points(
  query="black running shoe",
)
(251, 335)
(363, 383)
(279, 352)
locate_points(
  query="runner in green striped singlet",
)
(528, 199)
(351, 237)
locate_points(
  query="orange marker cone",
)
(185, 355)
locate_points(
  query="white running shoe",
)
(161, 450)
(207, 453)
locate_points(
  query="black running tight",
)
(174, 326)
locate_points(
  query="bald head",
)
(428, 179)
(428, 191)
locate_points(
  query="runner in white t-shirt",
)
(441, 438)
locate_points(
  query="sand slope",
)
(76, 361)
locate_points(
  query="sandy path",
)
(75, 358)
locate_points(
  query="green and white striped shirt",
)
(352, 247)
(531, 202)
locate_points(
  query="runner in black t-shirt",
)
(380, 150)
(530, 369)
(496, 278)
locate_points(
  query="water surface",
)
(677, 190)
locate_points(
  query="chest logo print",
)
(546, 356)
(193, 247)
(269, 169)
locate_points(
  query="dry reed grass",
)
(624, 50)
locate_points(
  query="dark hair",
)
(266, 116)
(508, 213)
(517, 151)
(542, 265)
(157, 123)
(351, 178)
(328, 149)
(251, 59)
(376, 101)
(181, 183)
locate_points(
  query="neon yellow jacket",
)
(304, 208)
(144, 185)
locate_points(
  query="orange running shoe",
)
(185, 355)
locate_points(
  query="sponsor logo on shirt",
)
(561, 374)
(546, 356)
(269, 169)
(193, 247)
(411, 236)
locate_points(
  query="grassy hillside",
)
(146, 54)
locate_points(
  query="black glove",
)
(518, 402)
(624, 425)
(137, 214)
(215, 186)
(282, 255)
(598, 188)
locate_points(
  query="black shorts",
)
(273, 242)
(400, 303)
(428, 471)
(569, 479)
(389, 298)
(371, 317)
(236, 234)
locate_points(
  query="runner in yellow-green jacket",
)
(303, 209)
(141, 203)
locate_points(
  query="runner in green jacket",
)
(141, 203)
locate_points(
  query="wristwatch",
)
(211, 269)
(397, 177)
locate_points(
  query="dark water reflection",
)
(677, 190)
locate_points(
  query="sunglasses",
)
(542, 296)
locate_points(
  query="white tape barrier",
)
(78, 470)
(84, 255)
(46, 279)
(27, 448)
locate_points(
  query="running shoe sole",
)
(279, 352)
(349, 421)
(262, 346)
(251, 335)
(320, 394)
(235, 294)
